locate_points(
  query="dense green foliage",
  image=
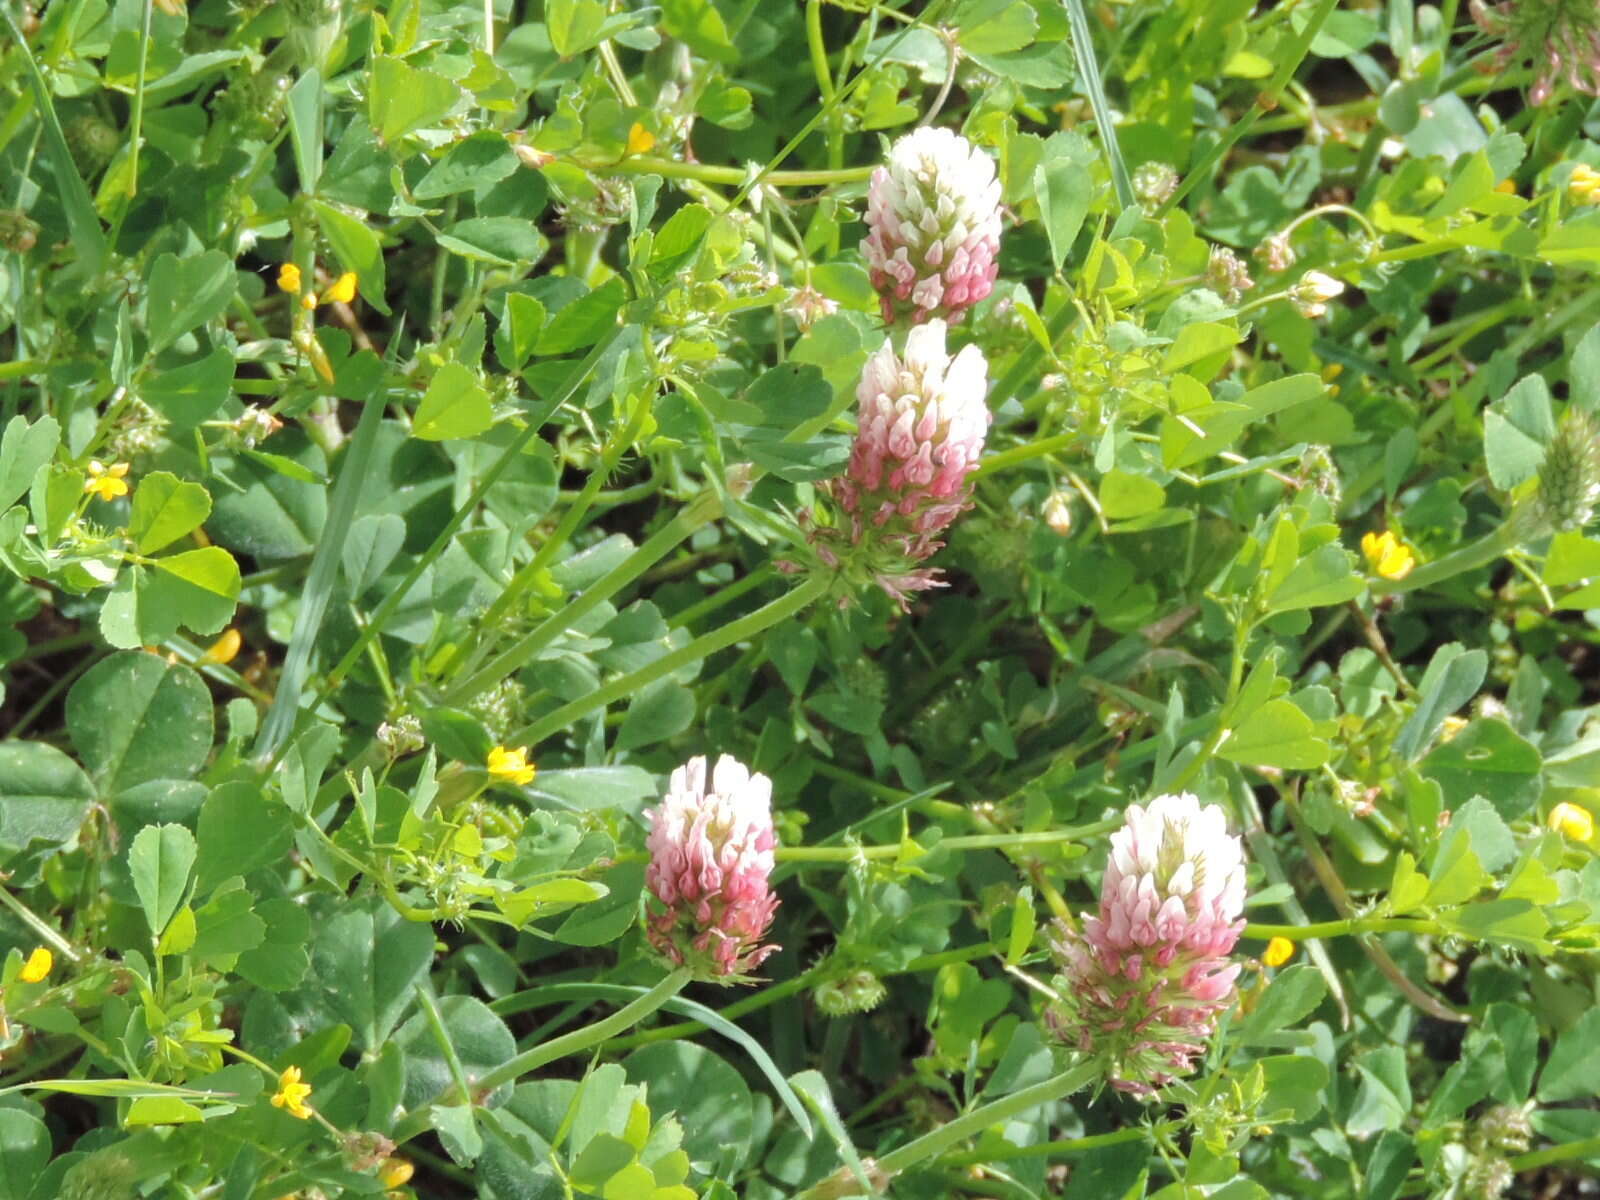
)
(389, 384)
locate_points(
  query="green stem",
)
(930, 1145)
(1265, 99)
(512, 452)
(1480, 553)
(736, 631)
(701, 512)
(1095, 1141)
(1037, 448)
(565, 528)
(843, 855)
(1241, 638)
(734, 176)
(1350, 925)
(590, 1035)
(1583, 1148)
(41, 927)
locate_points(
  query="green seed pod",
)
(1569, 481)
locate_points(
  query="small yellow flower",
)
(38, 965)
(1450, 726)
(289, 278)
(511, 765)
(1583, 185)
(225, 649)
(308, 302)
(395, 1172)
(107, 482)
(1388, 555)
(1279, 951)
(640, 139)
(1569, 819)
(291, 1095)
(342, 290)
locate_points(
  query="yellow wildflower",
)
(1279, 951)
(395, 1172)
(107, 482)
(292, 1094)
(289, 278)
(1450, 726)
(342, 290)
(38, 965)
(1388, 555)
(640, 139)
(1575, 822)
(308, 302)
(511, 765)
(1583, 185)
(225, 649)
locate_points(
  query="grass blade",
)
(1089, 73)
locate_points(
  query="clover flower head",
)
(711, 848)
(1144, 980)
(1583, 184)
(1561, 37)
(933, 226)
(921, 424)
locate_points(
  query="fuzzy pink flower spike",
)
(1145, 979)
(933, 222)
(710, 856)
(921, 424)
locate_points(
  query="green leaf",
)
(370, 547)
(1573, 558)
(403, 99)
(661, 710)
(368, 960)
(519, 330)
(584, 321)
(24, 1151)
(159, 862)
(1291, 997)
(161, 1110)
(200, 588)
(1277, 734)
(478, 161)
(678, 242)
(1065, 188)
(574, 25)
(1124, 495)
(1489, 759)
(1584, 372)
(454, 406)
(709, 1096)
(1202, 345)
(192, 393)
(502, 241)
(186, 293)
(1516, 431)
(987, 28)
(44, 797)
(165, 508)
(227, 926)
(241, 829)
(24, 448)
(135, 717)
(305, 127)
(1573, 1070)
(700, 25)
(357, 248)
(1453, 677)
(282, 960)
(1325, 576)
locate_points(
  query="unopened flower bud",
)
(1569, 478)
(1312, 293)
(1057, 512)
(1154, 183)
(858, 992)
(1227, 274)
(808, 306)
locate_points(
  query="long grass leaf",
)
(87, 237)
(1089, 75)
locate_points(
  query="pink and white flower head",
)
(1562, 37)
(921, 423)
(1144, 980)
(933, 226)
(710, 857)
